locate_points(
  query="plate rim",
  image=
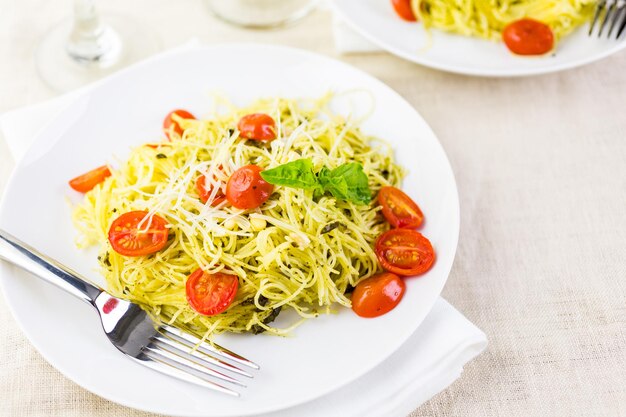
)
(7, 270)
(485, 73)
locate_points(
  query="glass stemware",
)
(89, 46)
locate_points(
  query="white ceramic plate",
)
(376, 21)
(126, 110)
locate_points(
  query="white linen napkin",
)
(427, 363)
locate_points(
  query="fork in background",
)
(130, 329)
(612, 12)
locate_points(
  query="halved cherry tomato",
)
(528, 37)
(86, 182)
(205, 190)
(399, 209)
(377, 295)
(130, 236)
(404, 10)
(257, 126)
(184, 114)
(246, 189)
(211, 294)
(404, 252)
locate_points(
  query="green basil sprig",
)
(295, 174)
(346, 182)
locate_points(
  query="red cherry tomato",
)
(377, 295)
(528, 37)
(156, 145)
(404, 252)
(211, 294)
(404, 10)
(170, 124)
(87, 181)
(246, 189)
(205, 190)
(257, 126)
(131, 236)
(399, 209)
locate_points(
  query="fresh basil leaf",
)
(296, 174)
(324, 177)
(346, 182)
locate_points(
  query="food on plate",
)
(378, 294)
(528, 37)
(205, 191)
(211, 294)
(88, 180)
(404, 9)
(257, 126)
(283, 207)
(398, 208)
(404, 252)
(527, 27)
(136, 233)
(246, 188)
(171, 122)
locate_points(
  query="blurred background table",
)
(541, 265)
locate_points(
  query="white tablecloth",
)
(541, 267)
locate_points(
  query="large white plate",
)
(376, 21)
(126, 110)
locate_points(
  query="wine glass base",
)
(62, 72)
(268, 14)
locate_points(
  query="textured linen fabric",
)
(540, 164)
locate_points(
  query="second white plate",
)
(376, 21)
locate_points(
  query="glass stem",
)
(90, 41)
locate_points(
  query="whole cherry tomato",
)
(528, 37)
(246, 189)
(257, 126)
(377, 295)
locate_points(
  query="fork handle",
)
(24, 256)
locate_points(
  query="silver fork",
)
(613, 11)
(129, 328)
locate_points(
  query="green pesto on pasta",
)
(299, 251)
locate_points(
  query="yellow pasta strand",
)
(282, 258)
(487, 18)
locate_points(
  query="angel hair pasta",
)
(301, 250)
(487, 18)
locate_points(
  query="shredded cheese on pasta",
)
(279, 251)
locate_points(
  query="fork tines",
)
(612, 12)
(182, 355)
